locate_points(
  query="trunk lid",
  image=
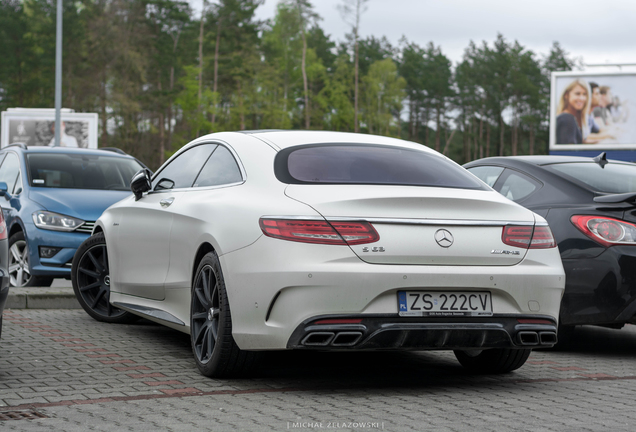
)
(423, 225)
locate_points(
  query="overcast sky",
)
(600, 31)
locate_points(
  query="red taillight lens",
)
(518, 236)
(542, 238)
(355, 233)
(605, 230)
(528, 237)
(321, 232)
(3, 227)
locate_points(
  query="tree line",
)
(158, 76)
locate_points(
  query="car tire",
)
(91, 282)
(493, 361)
(215, 351)
(19, 265)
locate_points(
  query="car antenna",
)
(601, 159)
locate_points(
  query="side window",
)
(487, 174)
(17, 189)
(516, 186)
(10, 170)
(221, 168)
(182, 171)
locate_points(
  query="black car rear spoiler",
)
(629, 197)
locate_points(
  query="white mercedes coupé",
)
(272, 240)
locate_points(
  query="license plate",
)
(444, 303)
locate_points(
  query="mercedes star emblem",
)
(444, 238)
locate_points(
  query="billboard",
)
(36, 127)
(593, 111)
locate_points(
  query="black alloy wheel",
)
(91, 282)
(205, 314)
(213, 346)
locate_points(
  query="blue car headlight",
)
(56, 222)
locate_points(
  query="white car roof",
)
(286, 138)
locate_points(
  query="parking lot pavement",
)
(62, 371)
(54, 297)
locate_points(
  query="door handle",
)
(166, 202)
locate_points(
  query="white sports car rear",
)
(274, 240)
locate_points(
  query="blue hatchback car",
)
(50, 199)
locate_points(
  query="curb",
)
(42, 298)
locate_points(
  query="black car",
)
(590, 204)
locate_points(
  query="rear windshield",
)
(77, 171)
(615, 178)
(370, 164)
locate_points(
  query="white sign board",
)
(593, 111)
(36, 127)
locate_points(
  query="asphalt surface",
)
(60, 370)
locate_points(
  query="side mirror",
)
(140, 183)
(3, 190)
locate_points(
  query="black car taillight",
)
(528, 237)
(320, 232)
(606, 230)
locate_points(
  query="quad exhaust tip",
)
(548, 338)
(318, 339)
(331, 338)
(528, 338)
(346, 338)
(537, 338)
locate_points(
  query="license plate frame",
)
(444, 303)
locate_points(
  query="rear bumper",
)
(272, 294)
(379, 332)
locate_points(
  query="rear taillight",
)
(605, 230)
(321, 232)
(3, 227)
(528, 237)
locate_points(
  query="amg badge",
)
(504, 252)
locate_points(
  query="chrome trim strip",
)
(151, 312)
(198, 188)
(86, 227)
(451, 222)
(405, 221)
(312, 218)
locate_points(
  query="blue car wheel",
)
(19, 265)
